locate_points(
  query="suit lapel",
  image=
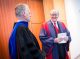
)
(51, 29)
(60, 27)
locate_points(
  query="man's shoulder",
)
(21, 28)
(62, 24)
(47, 22)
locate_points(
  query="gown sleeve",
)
(69, 37)
(47, 41)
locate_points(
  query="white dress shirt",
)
(55, 22)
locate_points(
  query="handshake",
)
(62, 38)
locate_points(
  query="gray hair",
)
(20, 8)
(54, 12)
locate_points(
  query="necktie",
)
(56, 28)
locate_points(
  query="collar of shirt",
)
(53, 23)
(21, 20)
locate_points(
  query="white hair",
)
(54, 12)
(20, 8)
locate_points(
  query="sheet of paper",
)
(62, 35)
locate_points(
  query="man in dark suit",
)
(22, 43)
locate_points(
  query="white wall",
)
(72, 8)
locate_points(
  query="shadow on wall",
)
(78, 57)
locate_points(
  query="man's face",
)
(54, 17)
(27, 15)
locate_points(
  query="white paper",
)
(62, 35)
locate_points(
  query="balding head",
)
(52, 12)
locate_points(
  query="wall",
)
(72, 8)
(48, 6)
(37, 17)
(57, 5)
(7, 18)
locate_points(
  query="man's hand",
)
(66, 38)
(57, 40)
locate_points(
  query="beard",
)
(28, 19)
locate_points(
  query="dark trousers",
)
(62, 51)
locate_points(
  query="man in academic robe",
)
(52, 45)
(22, 43)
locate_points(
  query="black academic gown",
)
(27, 45)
